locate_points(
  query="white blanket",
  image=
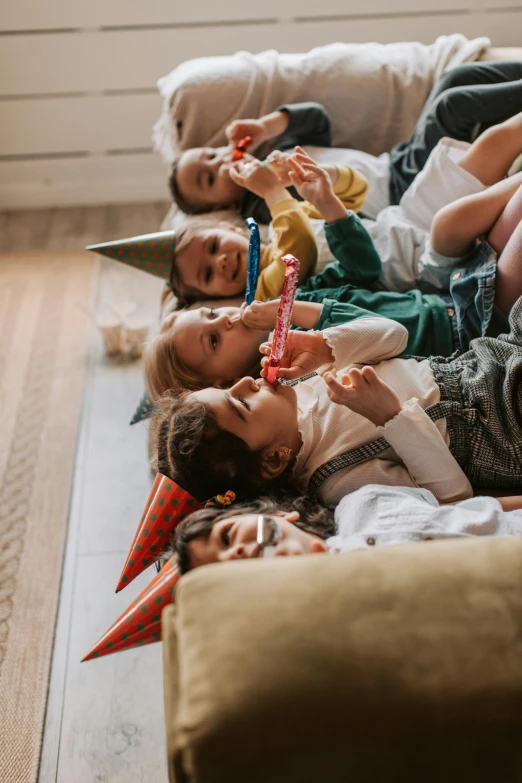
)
(373, 92)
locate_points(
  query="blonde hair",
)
(163, 368)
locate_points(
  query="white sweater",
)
(419, 455)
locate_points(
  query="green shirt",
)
(425, 316)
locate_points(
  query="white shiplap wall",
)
(77, 79)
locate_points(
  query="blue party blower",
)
(254, 251)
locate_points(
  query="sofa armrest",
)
(402, 663)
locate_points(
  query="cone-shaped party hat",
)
(141, 623)
(166, 506)
(144, 409)
(152, 253)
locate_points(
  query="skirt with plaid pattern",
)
(482, 393)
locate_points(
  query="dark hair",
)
(203, 458)
(177, 196)
(313, 519)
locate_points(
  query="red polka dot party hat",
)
(152, 253)
(140, 623)
(166, 506)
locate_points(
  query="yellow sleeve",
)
(293, 234)
(351, 187)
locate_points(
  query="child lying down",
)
(372, 516)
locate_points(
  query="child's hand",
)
(253, 176)
(238, 129)
(260, 315)
(364, 393)
(279, 164)
(304, 353)
(313, 183)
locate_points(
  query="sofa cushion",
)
(394, 664)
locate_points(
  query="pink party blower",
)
(284, 315)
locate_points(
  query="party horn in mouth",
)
(284, 315)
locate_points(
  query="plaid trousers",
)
(481, 400)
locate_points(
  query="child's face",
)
(235, 538)
(263, 417)
(203, 180)
(215, 263)
(216, 344)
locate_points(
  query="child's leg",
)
(491, 155)
(463, 97)
(506, 238)
(456, 227)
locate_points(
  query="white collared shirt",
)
(419, 454)
(385, 516)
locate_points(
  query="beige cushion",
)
(502, 53)
(398, 664)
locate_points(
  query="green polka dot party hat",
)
(166, 506)
(143, 410)
(152, 253)
(140, 623)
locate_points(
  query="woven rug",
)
(43, 358)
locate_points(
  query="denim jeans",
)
(471, 299)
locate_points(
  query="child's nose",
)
(245, 385)
(222, 262)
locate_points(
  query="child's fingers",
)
(333, 384)
(295, 167)
(236, 176)
(265, 348)
(369, 375)
(354, 378)
(299, 151)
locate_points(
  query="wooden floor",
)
(104, 721)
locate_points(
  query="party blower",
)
(254, 251)
(284, 315)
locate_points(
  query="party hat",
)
(166, 506)
(152, 253)
(144, 409)
(140, 623)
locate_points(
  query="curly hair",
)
(313, 518)
(203, 458)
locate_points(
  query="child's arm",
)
(298, 123)
(263, 315)
(293, 232)
(343, 188)
(427, 460)
(358, 260)
(364, 340)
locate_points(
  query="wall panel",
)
(77, 79)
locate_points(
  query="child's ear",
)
(275, 462)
